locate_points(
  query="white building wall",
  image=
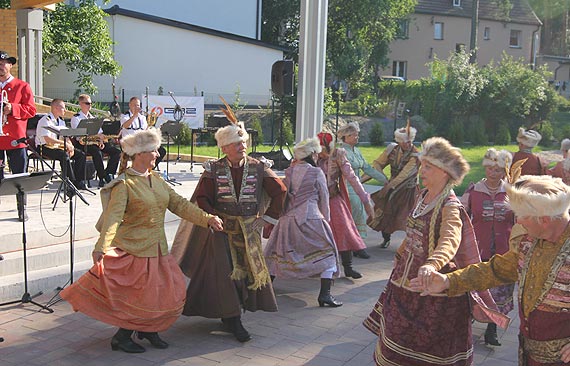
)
(178, 60)
(231, 16)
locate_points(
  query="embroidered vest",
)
(228, 201)
(555, 294)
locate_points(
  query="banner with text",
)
(163, 105)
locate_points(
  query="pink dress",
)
(344, 229)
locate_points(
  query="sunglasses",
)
(87, 103)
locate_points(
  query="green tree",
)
(78, 37)
(376, 135)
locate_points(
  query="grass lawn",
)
(473, 154)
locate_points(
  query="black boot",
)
(386, 242)
(361, 254)
(325, 297)
(272, 278)
(122, 341)
(153, 338)
(491, 335)
(346, 257)
(235, 326)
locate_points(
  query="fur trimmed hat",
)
(405, 135)
(348, 129)
(231, 134)
(307, 147)
(538, 196)
(528, 137)
(141, 141)
(501, 158)
(565, 145)
(439, 152)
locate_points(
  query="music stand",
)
(111, 128)
(170, 129)
(19, 184)
(93, 126)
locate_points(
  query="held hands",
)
(97, 256)
(215, 223)
(429, 281)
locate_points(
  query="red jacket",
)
(23, 107)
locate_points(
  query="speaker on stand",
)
(282, 84)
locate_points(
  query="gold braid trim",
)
(436, 210)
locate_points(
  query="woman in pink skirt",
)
(337, 169)
(134, 283)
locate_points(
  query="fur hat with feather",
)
(234, 132)
(439, 152)
(528, 137)
(501, 158)
(405, 134)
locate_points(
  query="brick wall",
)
(9, 39)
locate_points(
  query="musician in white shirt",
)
(133, 121)
(51, 146)
(96, 151)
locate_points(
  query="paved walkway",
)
(301, 333)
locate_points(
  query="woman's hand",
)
(216, 223)
(97, 256)
(424, 275)
(369, 210)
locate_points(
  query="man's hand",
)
(7, 108)
(565, 353)
(429, 282)
(258, 224)
(216, 223)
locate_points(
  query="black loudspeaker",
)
(282, 78)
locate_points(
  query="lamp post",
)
(338, 91)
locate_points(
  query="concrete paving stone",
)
(284, 349)
(292, 361)
(323, 361)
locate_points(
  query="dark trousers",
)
(17, 159)
(97, 154)
(74, 172)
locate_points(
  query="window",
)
(403, 26)
(459, 47)
(487, 33)
(399, 68)
(438, 30)
(515, 39)
(456, 2)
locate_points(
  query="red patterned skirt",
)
(342, 224)
(137, 293)
(416, 330)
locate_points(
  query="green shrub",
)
(256, 125)
(546, 130)
(185, 135)
(503, 136)
(376, 135)
(476, 132)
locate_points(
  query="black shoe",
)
(325, 297)
(361, 254)
(385, 244)
(235, 327)
(101, 183)
(350, 272)
(108, 178)
(491, 335)
(154, 339)
(80, 185)
(122, 341)
(23, 218)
